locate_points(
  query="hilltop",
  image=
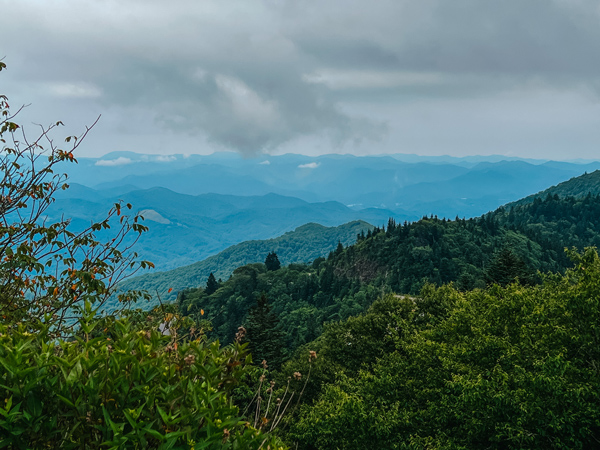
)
(588, 183)
(304, 244)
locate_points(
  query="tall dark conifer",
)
(506, 267)
(211, 284)
(391, 225)
(263, 334)
(272, 261)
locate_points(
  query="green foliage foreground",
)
(505, 368)
(130, 386)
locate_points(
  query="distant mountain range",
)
(192, 212)
(407, 185)
(184, 229)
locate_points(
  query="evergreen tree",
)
(211, 284)
(272, 261)
(263, 334)
(506, 267)
(391, 225)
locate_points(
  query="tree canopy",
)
(509, 368)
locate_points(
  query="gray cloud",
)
(514, 36)
(260, 75)
(210, 73)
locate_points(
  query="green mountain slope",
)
(496, 247)
(588, 183)
(502, 368)
(302, 245)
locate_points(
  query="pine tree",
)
(506, 267)
(391, 225)
(211, 284)
(272, 261)
(263, 334)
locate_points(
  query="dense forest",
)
(500, 247)
(458, 334)
(510, 367)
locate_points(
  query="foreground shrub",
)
(125, 388)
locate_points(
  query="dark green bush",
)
(135, 389)
(513, 367)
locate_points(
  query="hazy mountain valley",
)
(193, 207)
(354, 313)
(265, 225)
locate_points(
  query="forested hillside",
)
(588, 183)
(498, 247)
(304, 244)
(503, 368)
(466, 334)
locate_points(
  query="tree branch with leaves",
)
(46, 269)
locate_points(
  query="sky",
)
(429, 77)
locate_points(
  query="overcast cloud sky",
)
(432, 77)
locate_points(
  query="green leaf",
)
(66, 400)
(163, 415)
(34, 404)
(154, 433)
(75, 373)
